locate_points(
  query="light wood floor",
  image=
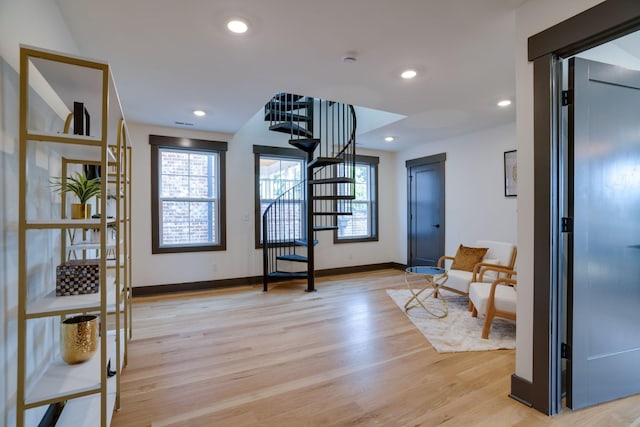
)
(345, 355)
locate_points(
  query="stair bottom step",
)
(288, 274)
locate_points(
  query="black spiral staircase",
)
(326, 132)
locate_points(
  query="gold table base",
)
(432, 286)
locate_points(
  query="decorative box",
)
(77, 277)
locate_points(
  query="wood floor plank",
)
(345, 355)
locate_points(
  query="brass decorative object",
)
(80, 211)
(78, 338)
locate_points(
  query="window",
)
(363, 224)
(188, 194)
(277, 171)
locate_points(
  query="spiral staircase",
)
(326, 132)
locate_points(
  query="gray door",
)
(426, 213)
(604, 256)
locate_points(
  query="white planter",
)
(111, 208)
(94, 236)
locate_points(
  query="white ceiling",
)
(623, 51)
(170, 57)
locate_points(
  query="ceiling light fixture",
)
(237, 26)
(408, 74)
(504, 103)
(389, 139)
(199, 113)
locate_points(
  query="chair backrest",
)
(503, 252)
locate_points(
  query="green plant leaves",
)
(78, 184)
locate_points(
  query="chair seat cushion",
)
(459, 280)
(505, 298)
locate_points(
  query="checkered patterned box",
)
(77, 277)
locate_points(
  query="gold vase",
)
(78, 338)
(80, 211)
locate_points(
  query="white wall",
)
(330, 255)
(38, 23)
(241, 259)
(532, 17)
(611, 53)
(475, 206)
(148, 269)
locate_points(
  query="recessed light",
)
(504, 103)
(389, 139)
(408, 74)
(199, 113)
(237, 26)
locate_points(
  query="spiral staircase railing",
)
(326, 132)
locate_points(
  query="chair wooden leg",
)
(487, 326)
(474, 312)
(470, 307)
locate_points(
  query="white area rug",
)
(458, 331)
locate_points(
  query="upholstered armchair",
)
(495, 299)
(465, 267)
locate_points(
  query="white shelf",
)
(51, 305)
(61, 379)
(113, 179)
(85, 411)
(65, 223)
(111, 263)
(67, 138)
(88, 245)
(73, 147)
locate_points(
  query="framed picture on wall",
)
(510, 173)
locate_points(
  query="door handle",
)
(436, 225)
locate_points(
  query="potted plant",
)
(83, 188)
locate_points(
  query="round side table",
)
(434, 278)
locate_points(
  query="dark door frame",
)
(436, 158)
(600, 24)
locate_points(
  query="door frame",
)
(422, 161)
(600, 24)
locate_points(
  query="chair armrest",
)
(480, 268)
(504, 281)
(492, 293)
(442, 259)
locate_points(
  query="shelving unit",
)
(88, 394)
